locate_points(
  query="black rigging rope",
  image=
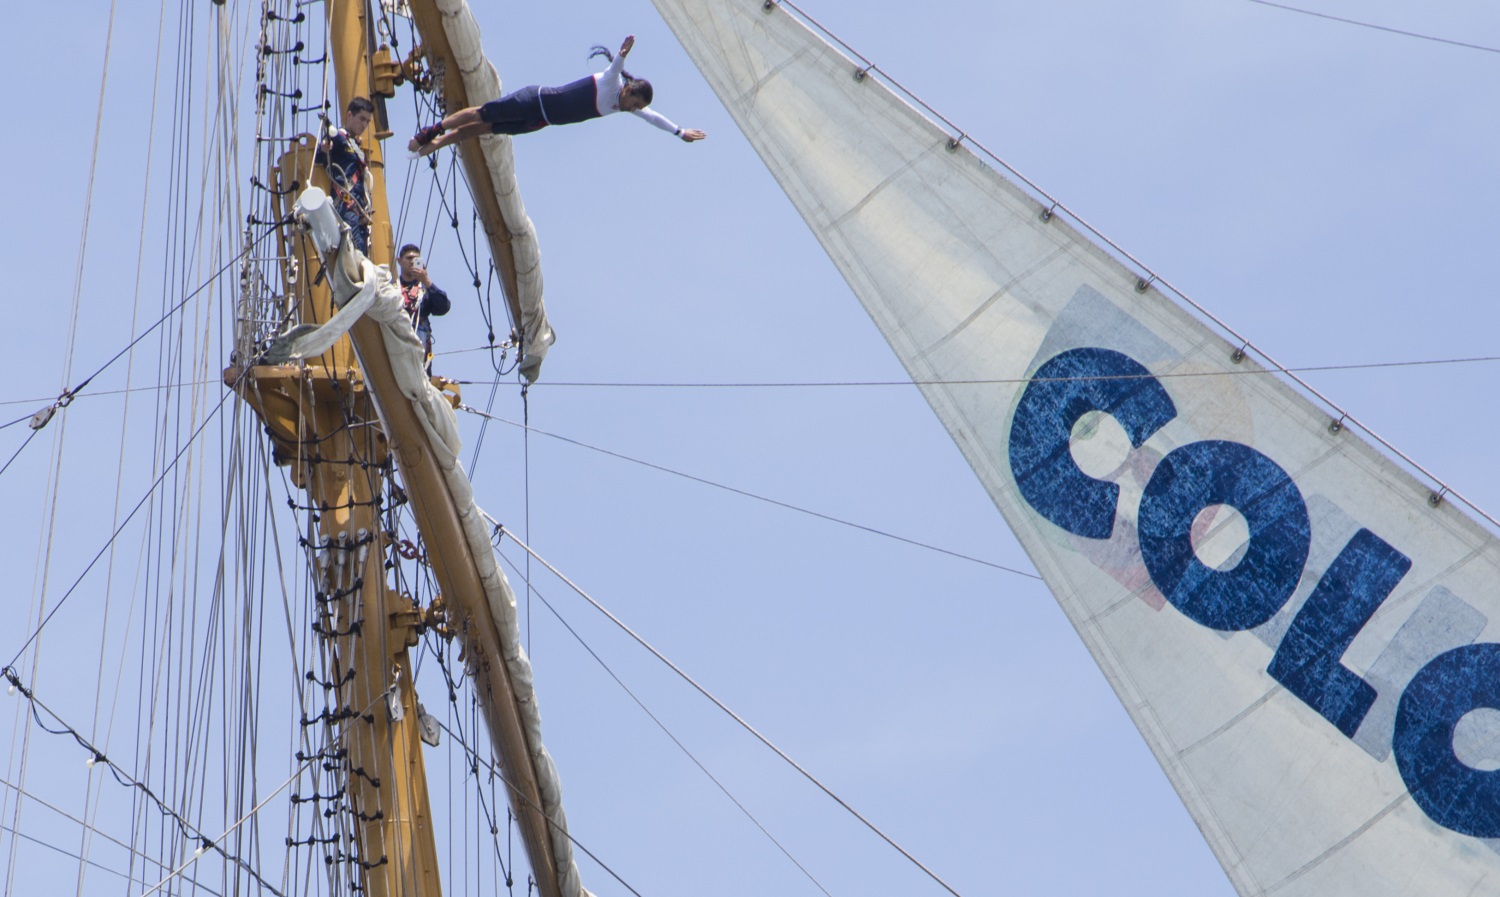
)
(994, 381)
(135, 854)
(1322, 15)
(68, 395)
(475, 760)
(453, 689)
(129, 877)
(17, 453)
(187, 829)
(725, 708)
(777, 502)
(526, 576)
(188, 444)
(526, 482)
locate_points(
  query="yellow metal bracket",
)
(405, 617)
(416, 71)
(386, 73)
(450, 390)
(408, 618)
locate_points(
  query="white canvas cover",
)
(378, 296)
(1301, 635)
(482, 84)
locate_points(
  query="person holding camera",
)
(419, 296)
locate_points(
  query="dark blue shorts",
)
(515, 113)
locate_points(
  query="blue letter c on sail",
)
(1065, 388)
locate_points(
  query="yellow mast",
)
(323, 419)
(323, 423)
(351, 35)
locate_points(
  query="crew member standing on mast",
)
(340, 153)
(420, 297)
(533, 108)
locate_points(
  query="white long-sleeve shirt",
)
(607, 87)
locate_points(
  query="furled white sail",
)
(377, 296)
(482, 84)
(1300, 629)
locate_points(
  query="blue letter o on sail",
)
(1214, 472)
(1453, 794)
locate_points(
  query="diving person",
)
(532, 108)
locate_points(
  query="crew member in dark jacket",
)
(340, 153)
(420, 297)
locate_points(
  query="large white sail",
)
(1300, 629)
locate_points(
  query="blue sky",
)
(1328, 190)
